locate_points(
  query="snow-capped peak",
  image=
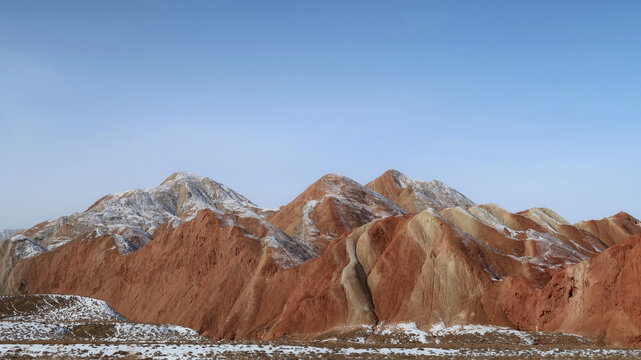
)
(134, 215)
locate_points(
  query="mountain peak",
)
(612, 229)
(183, 174)
(135, 215)
(331, 206)
(416, 195)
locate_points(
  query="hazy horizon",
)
(520, 104)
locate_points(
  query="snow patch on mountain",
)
(132, 216)
(25, 247)
(347, 191)
(553, 251)
(434, 194)
(354, 201)
(547, 218)
(486, 218)
(309, 230)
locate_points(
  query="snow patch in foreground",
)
(440, 330)
(270, 351)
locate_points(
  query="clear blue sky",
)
(521, 103)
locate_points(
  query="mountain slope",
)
(194, 273)
(423, 268)
(613, 229)
(414, 195)
(137, 214)
(599, 298)
(230, 273)
(132, 218)
(330, 207)
(75, 319)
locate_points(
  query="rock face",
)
(414, 195)
(330, 207)
(346, 256)
(599, 298)
(196, 274)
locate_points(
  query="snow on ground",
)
(51, 326)
(59, 308)
(31, 331)
(308, 231)
(152, 333)
(72, 318)
(19, 331)
(274, 351)
(439, 330)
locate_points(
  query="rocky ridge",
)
(416, 195)
(349, 256)
(131, 218)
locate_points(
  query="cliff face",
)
(599, 298)
(216, 280)
(348, 256)
(192, 275)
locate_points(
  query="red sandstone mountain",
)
(330, 207)
(129, 220)
(599, 298)
(194, 274)
(461, 264)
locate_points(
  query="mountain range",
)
(195, 253)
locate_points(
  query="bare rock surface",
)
(339, 256)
